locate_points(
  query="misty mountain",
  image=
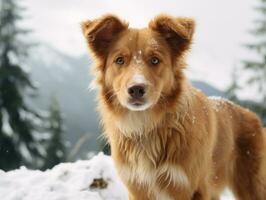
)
(67, 78)
(207, 88)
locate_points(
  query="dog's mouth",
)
(136, 104)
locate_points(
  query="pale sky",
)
(222, 27)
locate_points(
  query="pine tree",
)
(18, 132)
(234, 86)
(258, 66)
(56, 146)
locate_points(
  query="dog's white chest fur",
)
(145, 174)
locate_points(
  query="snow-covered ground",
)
(94, 179)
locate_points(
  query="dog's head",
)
(139, 69)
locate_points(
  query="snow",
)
(219, 102)
(137, 60)
(67, 181)
(153, 43)
(6, 126)
(217, 98)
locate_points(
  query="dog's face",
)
(138, 68)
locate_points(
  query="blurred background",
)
(48, 114)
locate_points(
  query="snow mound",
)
(94, 179)
(68, 181)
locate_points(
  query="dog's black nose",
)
(136, 91)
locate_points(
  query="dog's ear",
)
(100, 32)
(177, 31)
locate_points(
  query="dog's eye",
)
(155, 61)
(120, 61)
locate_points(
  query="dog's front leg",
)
(137, 193)
(202, 194)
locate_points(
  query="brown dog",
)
(168, 140)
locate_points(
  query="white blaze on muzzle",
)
(139, 79)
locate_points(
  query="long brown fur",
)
(185, 146)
